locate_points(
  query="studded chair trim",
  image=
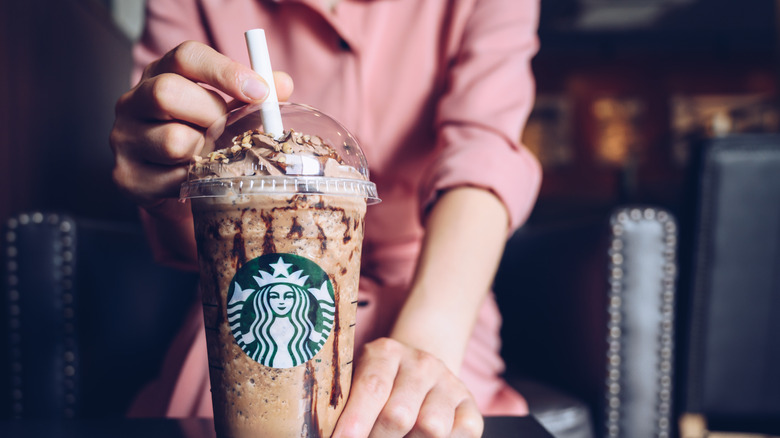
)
(38, 323)
(641, 307)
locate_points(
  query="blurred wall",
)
(64, 64)
(625, 89)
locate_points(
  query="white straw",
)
(261, 63)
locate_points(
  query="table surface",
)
(495, 427)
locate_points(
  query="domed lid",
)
(314, 154)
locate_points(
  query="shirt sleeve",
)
(489, 94)
(168, 23)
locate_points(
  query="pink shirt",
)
(436, 91)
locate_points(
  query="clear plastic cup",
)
(279, 230)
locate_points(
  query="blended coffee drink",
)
(279, 228)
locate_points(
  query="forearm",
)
(465, 236)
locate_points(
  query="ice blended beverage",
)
(279, 228)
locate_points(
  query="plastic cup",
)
(279, 245)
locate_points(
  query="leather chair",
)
(733, 362)
(588, 310)
(89, 316)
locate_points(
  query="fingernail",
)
(254, 89)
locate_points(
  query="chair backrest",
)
(589, 307)
(733, 368)
(90, 316)
(641, 314)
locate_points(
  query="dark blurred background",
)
(624, 89)
(627, 87)
(64, 64)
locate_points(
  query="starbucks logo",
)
(280, 309)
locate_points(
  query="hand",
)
(401, 391)
(161, 122)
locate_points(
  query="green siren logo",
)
(281, 309)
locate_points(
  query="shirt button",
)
(344, 45)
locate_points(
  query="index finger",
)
(200, 63)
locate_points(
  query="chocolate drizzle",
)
(295, 229)
(323, 239)
(269, 246)
(345, 220)
(239, 249)
(211, 228)
(335, 390)
(311, 422)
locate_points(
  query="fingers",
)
(436, 415)
(170, 86)
(148, 183)
(448, 411)
(284, 88)
(152, 165)
(411, 387)
(200, 63)
(400, 391)
(159, 143)
(284, 85)
(468, 422)
(168, 97)
(372, 384)
(160, 123)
